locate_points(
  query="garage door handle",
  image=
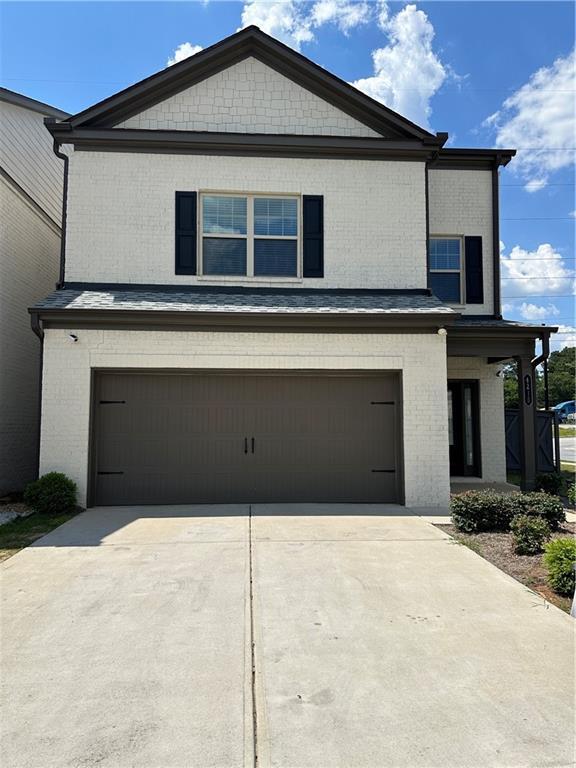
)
(252, 445)
(245, 445)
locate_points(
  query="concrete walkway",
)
(129, 638)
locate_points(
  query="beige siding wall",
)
(492, 431)
(461, 204)
(29, 257)
(248, 97)
(26, 154)
(420, 357)
(121, 215)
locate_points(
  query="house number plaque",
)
(528, 389)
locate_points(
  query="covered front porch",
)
(477, 347)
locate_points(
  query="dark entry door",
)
(226, 438)
(464, 428)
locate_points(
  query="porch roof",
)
(494, 338)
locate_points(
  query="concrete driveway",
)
(318, 637)
(568, 449)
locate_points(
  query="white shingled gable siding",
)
(248, 97)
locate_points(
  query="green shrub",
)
(572, 493)
(551, 482)
(476, 511)
(538, 504)
(51, 494)
(529, 534)
(559, 560)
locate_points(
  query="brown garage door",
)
(224, 438)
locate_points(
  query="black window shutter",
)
(185, 233)
(474, 273)
(313, 235)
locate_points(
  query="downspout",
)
(496, 238)
(62, 156)
(36, 324)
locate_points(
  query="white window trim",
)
(461, 302)
(249, 237)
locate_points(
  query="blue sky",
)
(488, 73)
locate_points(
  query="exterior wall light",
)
(442, 331)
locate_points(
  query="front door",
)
(464, 428)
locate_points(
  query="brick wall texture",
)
(420, 357)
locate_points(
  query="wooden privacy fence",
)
(547, 441)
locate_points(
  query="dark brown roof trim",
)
(252, 42)
(251, 144)
(18, 99)
(472, 159)
(155, 320)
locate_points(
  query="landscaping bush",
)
(529, 534)
(551, 482)
(476, 511)
(51, 494)
(540, 504)
(559, 560)
(572, 493)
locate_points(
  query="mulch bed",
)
(498, 549)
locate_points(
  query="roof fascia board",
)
(141, 140)
(471, 159)
(152, 319)
(251, 42)
(19, 100)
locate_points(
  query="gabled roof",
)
(251, 42)
(19, 100)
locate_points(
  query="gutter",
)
(49, 122)
(36, 324)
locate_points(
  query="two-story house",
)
(30, 230)
(274, 289)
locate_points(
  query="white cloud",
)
(540, 117)
(407, 71)
(183, 52)
(539, 272)
(294, 21)
(536, 312)
(346, 14)
(568, 338)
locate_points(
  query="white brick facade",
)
(248, 97)
(461, 204)
(420, 357)
(492, 431)
(121, 215)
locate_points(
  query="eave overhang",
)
(471, 159)
(240, 144)
(155, 320)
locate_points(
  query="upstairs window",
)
(446, 268)
(250, 235)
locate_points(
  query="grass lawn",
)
(498, 549)
(22, 531)
(567, 431)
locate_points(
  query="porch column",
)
(527, 407)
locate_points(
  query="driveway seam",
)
(252, 643)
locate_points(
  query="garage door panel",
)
(216, 438)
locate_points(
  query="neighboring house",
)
(275, 290)
(30, 210)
